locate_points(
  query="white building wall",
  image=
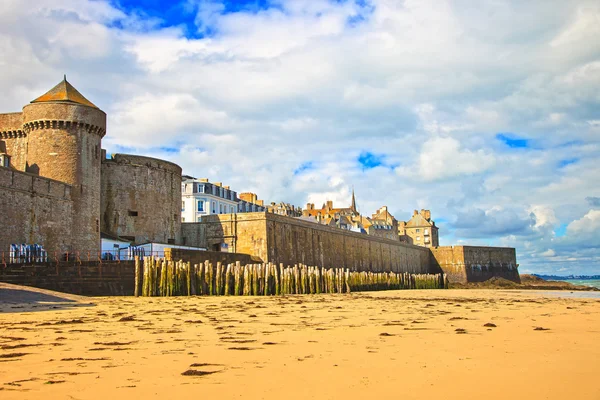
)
(205, 198)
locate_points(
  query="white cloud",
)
(444, 158)
(588, 225)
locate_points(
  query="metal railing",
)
(29, 254)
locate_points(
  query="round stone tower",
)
(64, 131)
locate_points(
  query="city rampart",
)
(13, 140)
(281, 239)
(34, 210)
(88, 278)
(199, 257)
(465, 264)
(141, 199)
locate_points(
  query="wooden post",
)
(138, 274)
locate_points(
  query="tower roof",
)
(64, 92)
(353, 206)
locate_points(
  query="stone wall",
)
(34, 210)
(281, 239)
(89, 278)
(199, 257)
(141, 199)
(13, 141)
(465, 264)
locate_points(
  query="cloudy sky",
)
(487, 112)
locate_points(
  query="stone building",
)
(282, 208)
(249, 202)
(328, 212)
(383, 224)
(419, 230)
(50, 176)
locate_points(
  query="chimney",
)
(203, 180)
(260, 202)
(415, 213)
(310, 206)
(329, 204)
(426, 214)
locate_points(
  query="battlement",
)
(12, 134)
(62, 124)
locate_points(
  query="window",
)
(171, 241)
(182, 219)
(4, 160)
(132, 213)
(417, 230)
(220, 208)
(183, 206)
(418, 238)
(426, 231)
(214, 207)
(200, 205)
(200, 188)
(231, 210)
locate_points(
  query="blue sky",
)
(415, 104)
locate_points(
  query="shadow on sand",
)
(25, 299)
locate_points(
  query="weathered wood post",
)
(138, 276)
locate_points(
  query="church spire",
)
(353, 206)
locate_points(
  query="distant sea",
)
(586, 282)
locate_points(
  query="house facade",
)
(420, 230)
(200, 197)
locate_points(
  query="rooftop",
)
(64, 92)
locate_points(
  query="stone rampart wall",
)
(199, 257)
(281, 239)
(34, 210)
(465, 264)
(11, 121)
(88, 278)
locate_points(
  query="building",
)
(383, 224)
(284, 209)
(327, 211)
(419, 230)
(51, 187)
(199, 198)
(249, 202)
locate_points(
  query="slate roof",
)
(418, 221)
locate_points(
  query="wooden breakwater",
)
(159, 277)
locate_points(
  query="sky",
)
(487, 113)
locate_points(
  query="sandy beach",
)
(445, 344)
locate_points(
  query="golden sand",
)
(384, 345)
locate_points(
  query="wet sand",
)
(447, 344)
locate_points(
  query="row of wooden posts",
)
(159, 277)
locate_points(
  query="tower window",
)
(4, 160)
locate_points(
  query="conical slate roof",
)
(64, 92)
